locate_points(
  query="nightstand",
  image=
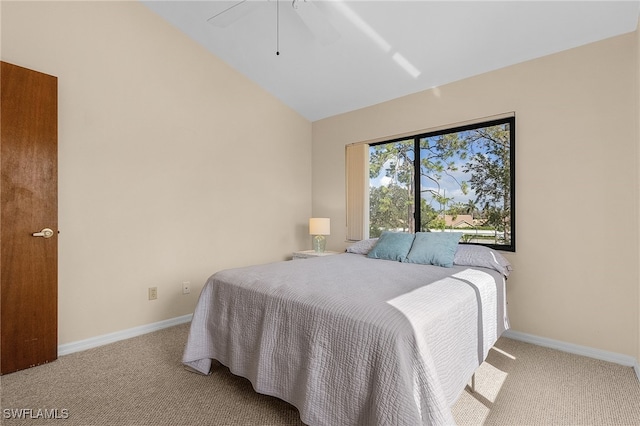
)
(306, 254)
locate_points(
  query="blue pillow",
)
(392, 246)
(434, 248)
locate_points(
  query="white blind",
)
(357, 191)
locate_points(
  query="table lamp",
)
(319, 227)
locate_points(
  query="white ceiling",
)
(351, 61)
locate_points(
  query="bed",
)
(351, 339)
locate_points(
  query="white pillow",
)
(362, 247)
(483, 257)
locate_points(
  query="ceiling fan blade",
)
(316, 21)
(233, 13)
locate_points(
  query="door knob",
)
(45, 233)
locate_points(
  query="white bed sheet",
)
(350, 340)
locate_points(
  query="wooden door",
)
(29, 194)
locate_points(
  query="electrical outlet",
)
(186, 287)
(153, 293)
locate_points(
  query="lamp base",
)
(319, 243)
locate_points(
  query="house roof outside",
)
(460, 221)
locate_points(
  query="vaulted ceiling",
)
(324, 58)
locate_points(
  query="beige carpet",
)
(140, 381)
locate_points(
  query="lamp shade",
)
(319, 226)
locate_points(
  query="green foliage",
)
(466, 238)
(491, 176)
(428, 215)
(391, 206)
(436, 223)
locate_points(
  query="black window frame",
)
(511, 121)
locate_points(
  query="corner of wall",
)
(637, 116)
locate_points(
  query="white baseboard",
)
(626, 360)
(92, 342)
(104, 339)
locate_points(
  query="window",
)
(461, 179)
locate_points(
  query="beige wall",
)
(638, 138)
(576, 265)
(171, 165)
